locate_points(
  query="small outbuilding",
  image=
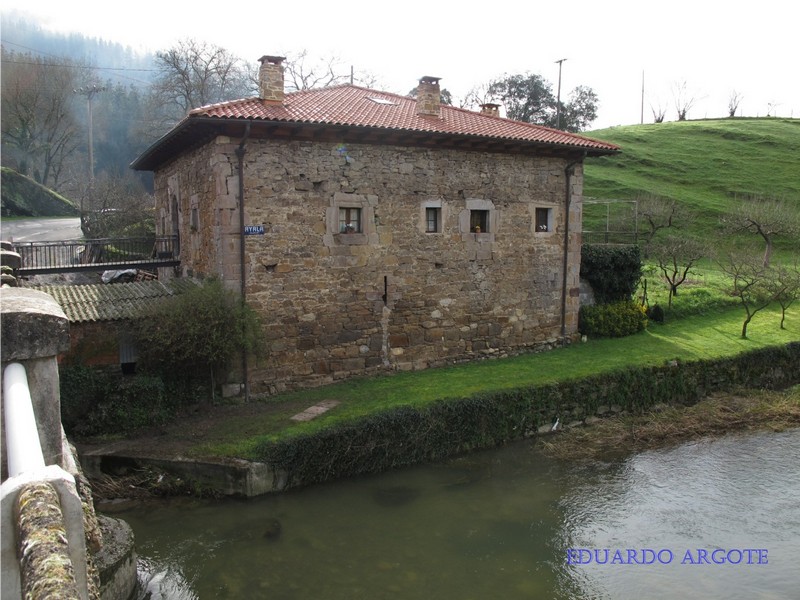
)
(101, 318)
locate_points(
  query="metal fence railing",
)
(97, 254)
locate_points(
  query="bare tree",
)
(659, 112)
(767, 217)
(784, 283)
(477, 96)
(684, 100)
(675, 256)
(39, 130)
(656, 213)
(750, 283)
(733, 103)
(193, 74)
(116, 206)
(304, 72)
(772, 108)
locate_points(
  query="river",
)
(715, 518)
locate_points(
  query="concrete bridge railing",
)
(44, 547)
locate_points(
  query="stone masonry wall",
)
(391, 296)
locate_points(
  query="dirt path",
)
(201, 424)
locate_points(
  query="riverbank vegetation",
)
(701, 336)
(721, 413)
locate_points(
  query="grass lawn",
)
(701, 336)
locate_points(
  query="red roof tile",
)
(349, 105)
(361, 109)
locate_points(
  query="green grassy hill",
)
(706, 165)
(23, 197)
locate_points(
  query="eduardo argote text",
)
(665, 556)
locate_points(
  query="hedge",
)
(612, 271)
(404, 435)
(618, 319)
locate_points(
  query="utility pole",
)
(558, 96)
(90, 92)
(641, 117)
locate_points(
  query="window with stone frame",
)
(543, 220)
(479, 221)
(350, 220)
(433, 219)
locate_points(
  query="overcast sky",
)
(712, 47)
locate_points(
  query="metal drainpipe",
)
(240, 152)
(568, 170)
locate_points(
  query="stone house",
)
(374, 231)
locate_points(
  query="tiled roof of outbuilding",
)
(113, 301)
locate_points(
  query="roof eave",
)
(157, 154)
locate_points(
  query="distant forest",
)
(120, 64)
(37, 66)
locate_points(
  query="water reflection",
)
(493, 525)
(739, 493)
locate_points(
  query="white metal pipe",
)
(23, 450)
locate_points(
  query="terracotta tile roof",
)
(357, 110)
(349, 105)
(113, 301)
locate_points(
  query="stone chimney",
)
(270, 79)
(491, 109)
(429, 97)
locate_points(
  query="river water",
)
(715, 518)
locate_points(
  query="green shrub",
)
(612, 271)
(655, 313)
(82, 388)
(95, 402)
(195, 336)
(619, 319)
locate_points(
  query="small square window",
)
(349, 220)
(479, 221)
(433, 220)
(543, 220)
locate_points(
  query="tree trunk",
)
(744, 326)
(767, 252)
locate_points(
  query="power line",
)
(44, 64)
(70, 65)
(65, 57)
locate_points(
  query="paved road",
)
(41, 229)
